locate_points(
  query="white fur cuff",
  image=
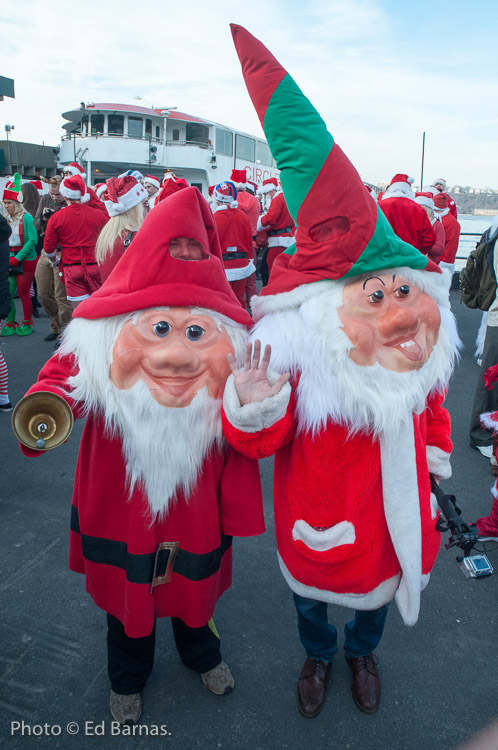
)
(260, 414)
(321, 541)
(438, 462)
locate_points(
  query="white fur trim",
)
(432, 283)
(494, 491)
(488, 421)
(423, 201)
(258, 415)
(78, 299)
(100, 190)
(74, 171)
(438, 462)
(397, 453)
(434, 506)
(399, 190)
(281, 241)
(137, 194)
(264, 189)
(74, 195)
(374, 599)
(321, 541)
(441, 211)
(154, 181)
(235, 274)
(259, 226)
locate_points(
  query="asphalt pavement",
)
(438, 678)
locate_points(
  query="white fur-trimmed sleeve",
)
(258, 415)
(438, 462)
(259, 225)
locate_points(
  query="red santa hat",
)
(149, 179)
(211, 189)
(75, 169)
(38, 184)
(251, 187)
(441, 182)
(425, 199)
(100, 188)
(74, 189)
(148, 276)
(268, 185)
(171, 185)
(12, 190)
(239, 178)
(402, 178)
(225, 192)
(122, 194)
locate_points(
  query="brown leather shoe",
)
(311, 687)
(366, 682)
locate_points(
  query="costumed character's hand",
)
(54, 262)
(251, 383)
(490, 376)
(13, 262)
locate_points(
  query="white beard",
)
(308, 340)
(169, 457)
(164, 448)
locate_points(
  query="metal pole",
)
(422, 169)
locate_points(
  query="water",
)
(469, 223)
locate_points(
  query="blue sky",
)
(380, 72)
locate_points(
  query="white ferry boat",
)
(108, 139)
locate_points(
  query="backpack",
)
(478, 283)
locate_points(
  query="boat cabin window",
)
(197, 133)
(176, 135)
(244, 147)
(224, 142)
(97, 124)
(115, 124)
(148, 128)
(263, 153)
(198, 185)
(158, 131)
(135, 127)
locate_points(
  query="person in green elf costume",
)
(22, 256)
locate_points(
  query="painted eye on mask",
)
(403, 291)
(376, 296)
(162, 328)
(194, 333)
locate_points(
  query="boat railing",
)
(466, 234)
(199, 144)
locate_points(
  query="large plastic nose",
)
(397, 321)
(173, 357)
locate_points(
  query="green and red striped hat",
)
(341, 232)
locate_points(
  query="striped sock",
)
(4, 381)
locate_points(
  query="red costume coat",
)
(235, 235)
(76, 230)
(410, 222)
(278, 222)
(335, 483)
(113, 541)
(452, 237)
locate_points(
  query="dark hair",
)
(31, 198)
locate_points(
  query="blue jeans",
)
(319, 637)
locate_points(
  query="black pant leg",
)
(199, 648)
(129, 660)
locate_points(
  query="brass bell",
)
(42, 420)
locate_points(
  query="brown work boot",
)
(311, 687)
(126, 709)
(366, 682)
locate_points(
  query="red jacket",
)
(278, 222)
(437, 249)
(410, 222)
(452, 232)
(250, 206)
(75, 229)
(113, 541)
(235, 235)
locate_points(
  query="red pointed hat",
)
(239, 178)
(341, 231)
(148, 276)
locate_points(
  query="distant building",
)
(29, 159)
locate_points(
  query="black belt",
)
(92, 263)
(273, 232)
(152, 568)
(234, 256)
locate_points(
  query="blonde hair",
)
(117, 226)
(430, 213)
(18, 213)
